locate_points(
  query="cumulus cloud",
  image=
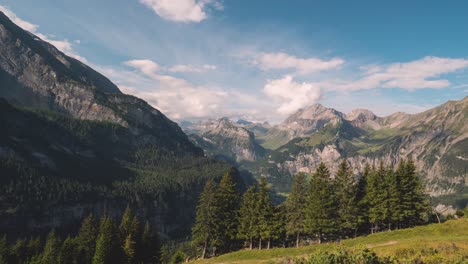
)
(177, 97)
(182, 10)
(64, 45)
(418, 74)
(280, 60)
(192, 68)
(291, 95)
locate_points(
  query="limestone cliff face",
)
(225, 138)
(35, 74)
(437, 140)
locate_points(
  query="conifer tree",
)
(68, 252)
(248, 216)
(321, 205)
(18, 251)
(279, 223)
(150, 245)
(33, 247)
(51, 248)
(414, 202)
(345, 191)
(363, 205)
(205, 225)
(4, 250)
(106, 242)
(227, 205)
(376, 194)
(295, 207)
(128, 231)
(86, 239)
(265, 211)
(128, 248)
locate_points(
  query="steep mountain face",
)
(226, 140)
(436, 139)
(308, 120)
(71, 143)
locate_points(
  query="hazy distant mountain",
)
(226, 140)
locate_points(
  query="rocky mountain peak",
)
(360, 114)
(308, 120)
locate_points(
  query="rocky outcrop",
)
(224, 138)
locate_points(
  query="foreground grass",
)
(435, 243)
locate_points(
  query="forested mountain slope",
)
(71, 143)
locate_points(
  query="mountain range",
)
(436, 139)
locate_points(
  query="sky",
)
(262, 60)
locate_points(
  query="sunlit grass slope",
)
(435, 243)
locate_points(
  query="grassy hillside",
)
(435, 243)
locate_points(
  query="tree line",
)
(106, 241)
(319, 207)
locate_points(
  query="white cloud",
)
(176, 97)
(18, 21)
(280, 60)
(63, 45)
(422, 73)
(182, 10)
(192, 68)
(290, 94)
(148, 67)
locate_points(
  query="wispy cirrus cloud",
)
(188, 11)
(425, 73)
(192, 68)
(64, 45)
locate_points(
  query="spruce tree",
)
(279, 223)
(321, 205)
(128, 248)
(376, 194)
(265, 224)
(51, 248)
(363, 205)
(150, 245)
(128, 231)
(4, 250)
(205, 222)
(227, 205)
(247, 229)
(86, 239)
(68, 252)
(414, 200)
(345, 191)
(106, 243)
(18, 251)
(295, 207)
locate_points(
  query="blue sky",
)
(263, 60)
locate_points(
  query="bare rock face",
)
(35, 74)
(364, 118)
(223, 137)
(310, 119)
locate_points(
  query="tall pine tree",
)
(106, 243)
(248, 214)
(86, 239)
(345, 191)
(295, 207)
(227, 205)
(265, 224)
(51, 249)
(205, 222)
(321, 205)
